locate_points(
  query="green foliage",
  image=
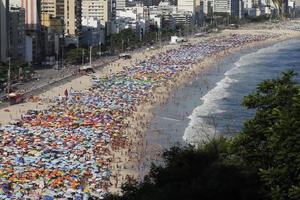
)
(74, 56)
(279, 5)
(191, 173)
(270, 142)
(258, 19)
(126, 38)
(15, 65)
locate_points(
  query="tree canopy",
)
(270, 142)
(192, 173)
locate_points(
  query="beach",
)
(103, 118)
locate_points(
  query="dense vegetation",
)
(17, 68)
(261, 162)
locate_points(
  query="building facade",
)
(55, 23)
(3, 30)
(72, 17)
(32, 14)
(60, 8)
(49, 7)
(222, 6)
(17, 33)
(121, 4)
(102, 10)
(187, 5)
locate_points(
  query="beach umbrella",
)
(47, 197)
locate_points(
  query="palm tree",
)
(278, 6)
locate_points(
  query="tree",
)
(278, 5)
(124, 39)
(15, 67)
(74, 56)
(270, 142)
(191, 173)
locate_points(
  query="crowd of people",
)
(295, 27)
(66, 151)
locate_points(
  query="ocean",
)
(211, 104)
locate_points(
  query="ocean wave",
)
(253, 58)
(202, 126)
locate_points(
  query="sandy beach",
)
(125, 156)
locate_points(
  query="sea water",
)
(211, 105)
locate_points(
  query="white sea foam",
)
(253, 58)
(199, 128)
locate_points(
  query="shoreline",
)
(125, 164)
(162, 94)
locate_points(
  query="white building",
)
(222, 6)
(93, 33)
(139, 11)
(103, 10)
(184, 18)
(166, 8)
(158, 21)
(15, 3)
(186, 5)
(162, 15)
(121, 4)
(135, 18)
(127, 13)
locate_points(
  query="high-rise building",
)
(49, 7)
(32, 27)
(236, 8)
(52, 15)
(17, 33)
(60, 8)
(72, 17)
(121, 4)
(183, 18)
(102, 10)
(91, 8)
(55, 23)
(187, 5)
(3, 29)
(53, 7)
(32, 13)
(222, 6)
